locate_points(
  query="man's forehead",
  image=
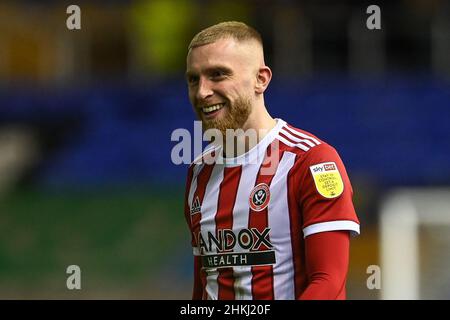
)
(223, 51)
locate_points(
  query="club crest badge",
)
(260, 197)
(327, 179)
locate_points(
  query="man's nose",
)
(204, 89)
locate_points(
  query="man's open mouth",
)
(212, 109)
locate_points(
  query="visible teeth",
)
(213, 107)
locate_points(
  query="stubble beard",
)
(236, 115)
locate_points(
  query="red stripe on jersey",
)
(187, 211)
(224, 220)
(197, 291)
(262, 276)
(202, 181)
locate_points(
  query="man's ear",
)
(262, 79)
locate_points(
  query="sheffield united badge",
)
(260, 197)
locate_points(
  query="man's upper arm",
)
(325, 193)
(328, 217)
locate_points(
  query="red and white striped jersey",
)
(249, 215)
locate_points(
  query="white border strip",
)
(399, 248)
(331, 226)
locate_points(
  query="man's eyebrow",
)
(222, 68)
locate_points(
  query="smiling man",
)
(272, 221)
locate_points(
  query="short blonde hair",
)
(233, 29)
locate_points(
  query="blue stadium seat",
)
(395, 130)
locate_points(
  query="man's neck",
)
(258, 125)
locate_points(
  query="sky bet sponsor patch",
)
(327, 179)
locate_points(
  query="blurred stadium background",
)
(86, 117)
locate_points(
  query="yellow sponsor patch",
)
(327, 179)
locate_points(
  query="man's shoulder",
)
(304, 143)
(299, 139)
(313, 150)
(303, 133)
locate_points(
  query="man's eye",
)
(217, 74)
(192, 80)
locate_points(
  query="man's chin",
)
(213, 127)
(213, 124)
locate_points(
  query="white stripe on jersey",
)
(209, 210)
(279, 222)
(243, 275)
(301, 134)
(212, 287)
(292, 144)
(296, 139)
